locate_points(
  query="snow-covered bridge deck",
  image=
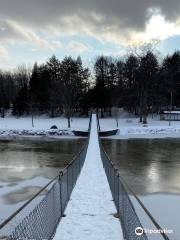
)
(89, 214)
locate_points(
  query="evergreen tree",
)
(55, 86)
(147, 74)
(22, 78)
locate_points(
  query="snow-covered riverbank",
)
(129, 127)
(33, 132)
(12, 126)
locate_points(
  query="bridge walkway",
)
(90, 211)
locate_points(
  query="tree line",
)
(140, 83)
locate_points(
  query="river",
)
(27, 165)
(151, 167)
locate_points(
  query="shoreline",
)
(67, 134)
(144, 136)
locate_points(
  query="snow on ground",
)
(168, 214)
(164, 208)
(12, 126)
(23, 132)
(89, 214)
(20, 191)
(129, 126)
(42, 122)
(175, 112)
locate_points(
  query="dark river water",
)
(27, 165)
(151, 167)
(147, 165)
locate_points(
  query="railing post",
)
(114, 173)
(79, 165)
(72, 166)
(68, 183)
(60, 192)
(118, 198)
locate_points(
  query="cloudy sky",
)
(32, 30)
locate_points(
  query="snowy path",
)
(89, 214)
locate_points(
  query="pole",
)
(171, 105)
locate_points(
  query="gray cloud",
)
(101, 18)
(129, 12)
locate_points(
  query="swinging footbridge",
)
(87, 200)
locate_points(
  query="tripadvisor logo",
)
(139, 231)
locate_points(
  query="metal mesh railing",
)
(38, 218)
(130, 221)
(126, 211)
(124, 206)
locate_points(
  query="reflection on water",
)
(26, 166)
(152, 169)
(148, 165)
(20, 160)
(22, 194)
